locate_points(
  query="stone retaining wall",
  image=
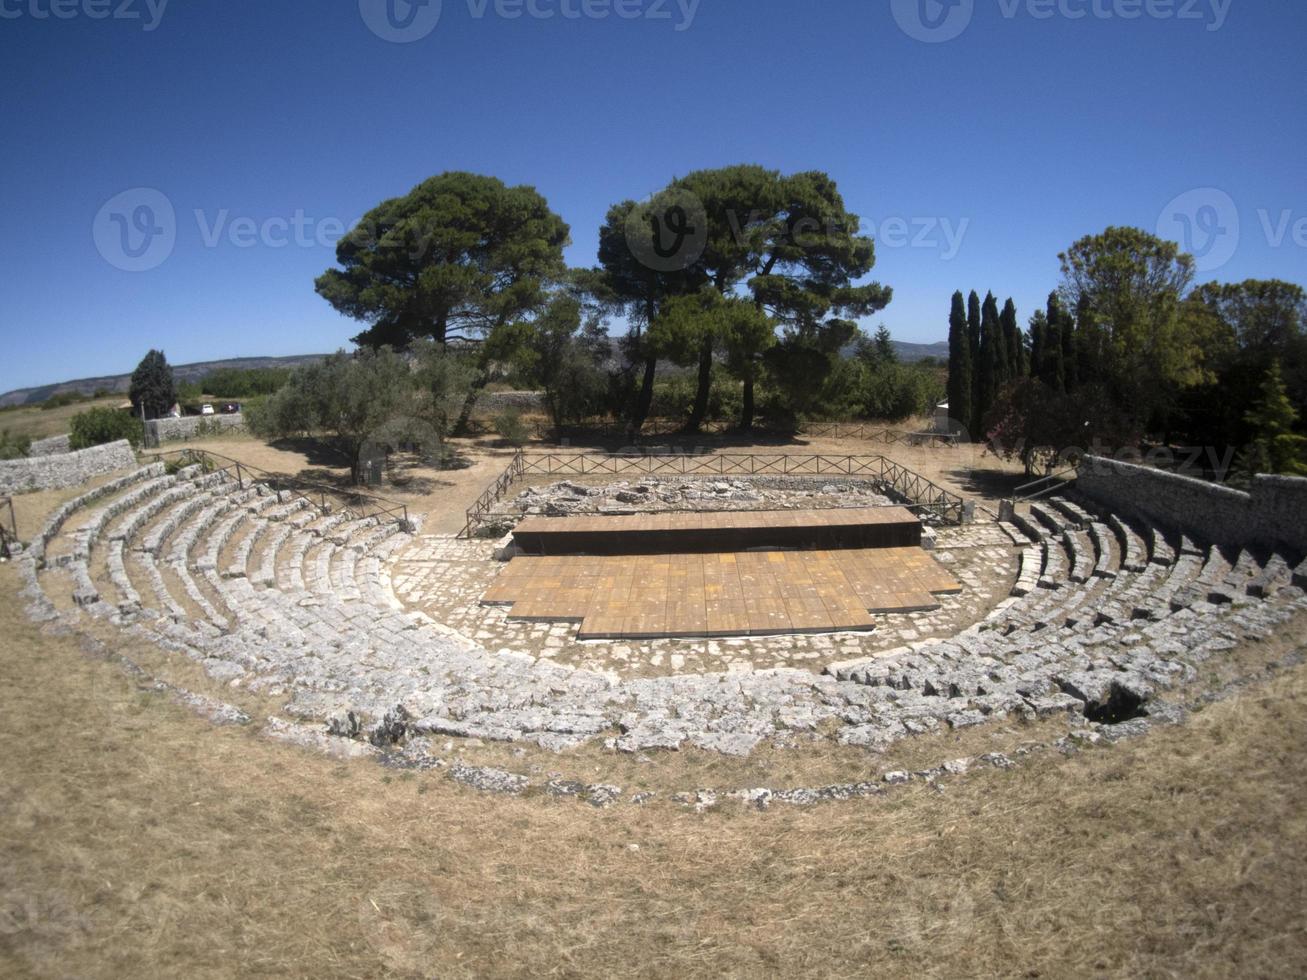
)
(175, 430)
(1271, 515)
(66, 470)
(54, 446)
(490, 404)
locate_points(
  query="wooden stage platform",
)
(669, 575)
(719, 531)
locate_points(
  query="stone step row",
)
(1133, 550)
(1075, 515)
(61, 514)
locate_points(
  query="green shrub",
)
(244, 382)
(512, 429)
(98, 426)
(14, 446)
(63, 399)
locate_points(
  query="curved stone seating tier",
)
(55, 522)
(1029, 567)
(1134, 553)
(1052, 520)
(1076, 516)
(1109, 558)
(1082, 556)
(273, 594)
(1160, 552)
(1055, 562)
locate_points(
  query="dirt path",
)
(442, 497)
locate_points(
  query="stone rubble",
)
(693, 494)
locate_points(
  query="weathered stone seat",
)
(1075, 515)
(1134, 551)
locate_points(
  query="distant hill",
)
(194, 372)
(910, 353)
(918, 352)
(120, 382)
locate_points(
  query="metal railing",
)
(921, 494)
(356, 505)
(1048, 484)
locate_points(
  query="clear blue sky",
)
(1032, 130)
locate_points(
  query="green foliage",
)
(444, 380)
(1013, 342)
(959, 365)
(349, 399)
(14, 446)
(557, 354)
(808, 378)
(512, 429)
(244, 382)
(692, 328)
(63, 400)
(153, 389)
(1032, 421)
(189, 391)
(1275, 447)
(891, 390)
(98, 426)
(456, 257)
(786, 242)
(1126, 287)
(1246, 328)
(991, 369)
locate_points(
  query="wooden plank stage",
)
(719, 531)
(711, 594)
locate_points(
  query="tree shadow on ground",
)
(316, 452)
(415, 473)
(328, 478)
(989, 483)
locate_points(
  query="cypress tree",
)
(993, 321)
(1015, 367)
(1054, 369)
(959, 365)
(973, 338)
(992, 359)
(1038, 340)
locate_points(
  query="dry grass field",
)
(40, 423)
(136, 840)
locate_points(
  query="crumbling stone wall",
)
(1272, 515)
(65, 470)
(175, 430)
(54, 446)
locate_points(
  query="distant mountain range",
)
(194, 372)
(121, 382)
(919, 352)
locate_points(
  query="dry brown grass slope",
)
(136, 840)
